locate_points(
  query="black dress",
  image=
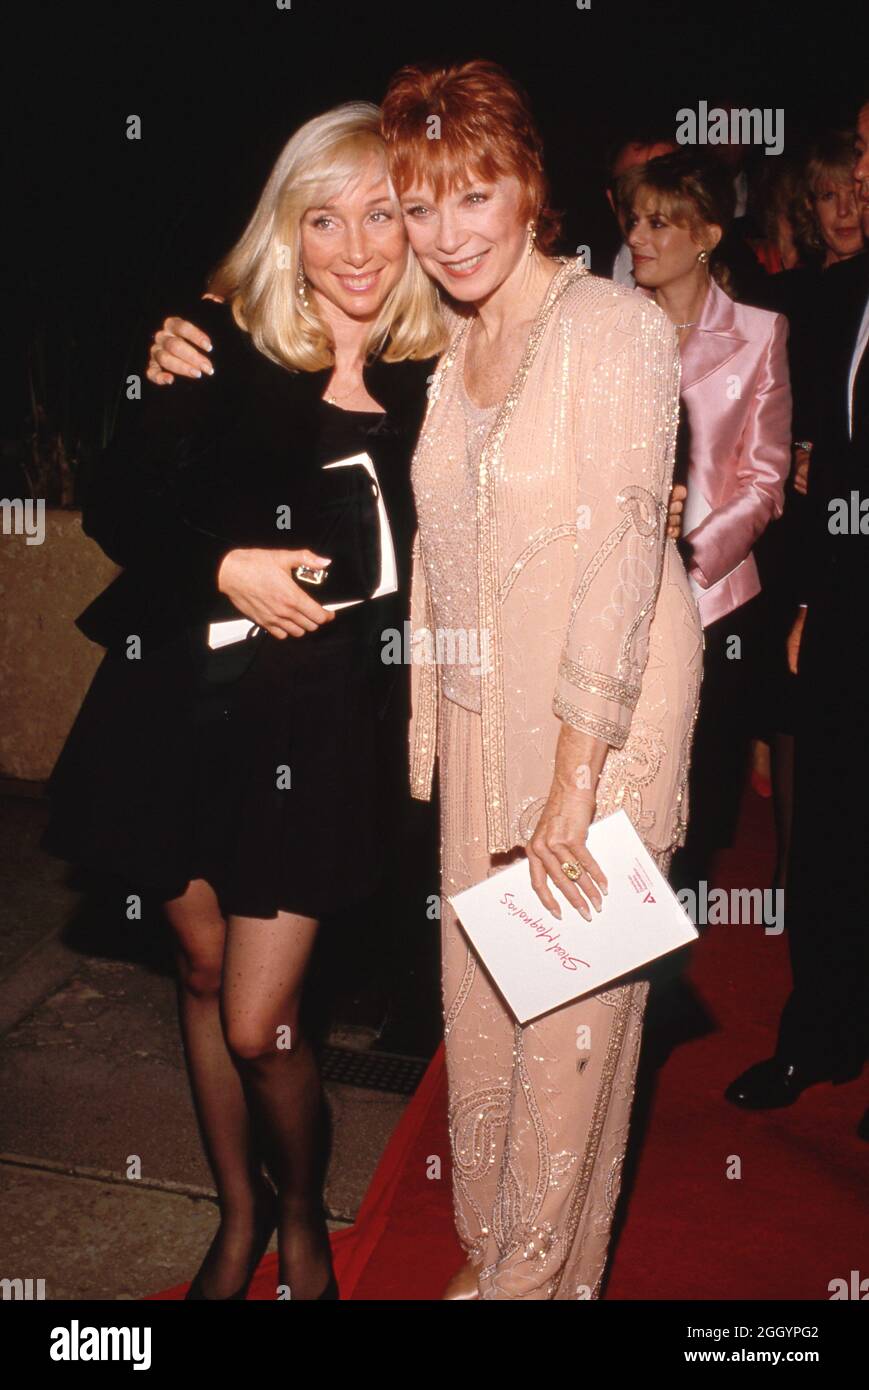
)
(780, 551)
(278, 782)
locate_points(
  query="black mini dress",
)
(280, 784)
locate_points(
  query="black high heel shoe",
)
(265, 1231)
(330, 1291)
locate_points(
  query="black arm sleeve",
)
(144, 501)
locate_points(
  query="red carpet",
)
(795, 1219)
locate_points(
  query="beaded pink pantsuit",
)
(538, 1114)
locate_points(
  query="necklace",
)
(687, 325)
(336, 400)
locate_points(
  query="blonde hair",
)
(260, 275)
(831, 156)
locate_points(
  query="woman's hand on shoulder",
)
(678, 493)
(260, 584)
(178, 349)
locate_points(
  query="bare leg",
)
(264, 972)
(221, 1107)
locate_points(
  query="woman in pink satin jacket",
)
(736, 395)
(736, 451)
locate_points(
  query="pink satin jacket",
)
(736, 394)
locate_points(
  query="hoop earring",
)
(532, 227)
(302, 286)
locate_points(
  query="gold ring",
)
(572, 870)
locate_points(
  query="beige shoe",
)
(464, 1284)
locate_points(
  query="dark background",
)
(105, 235)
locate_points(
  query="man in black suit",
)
(824, 1029)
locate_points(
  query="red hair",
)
(485, 129)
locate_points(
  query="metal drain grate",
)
(373, 1071)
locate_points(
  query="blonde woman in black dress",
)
(222, 780)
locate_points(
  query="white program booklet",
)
(237, 629)
(539, 962)
(388, 569)
(223, 634)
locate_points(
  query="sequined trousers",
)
(539, 1114)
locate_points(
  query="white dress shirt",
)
(623, 272)
(859, 349)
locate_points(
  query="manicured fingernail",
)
(210, 369)
(207, 347)
(198, 374)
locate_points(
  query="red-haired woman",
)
(541, 480)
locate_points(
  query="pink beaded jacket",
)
(584, 604)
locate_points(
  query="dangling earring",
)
(532, 227)
(302, 286)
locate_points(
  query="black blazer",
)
(799, 295)
(200, 468)
(780, 551)
(836, 566)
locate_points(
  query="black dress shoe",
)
(330, 1291)
(863, 1127)
(265, 1231)
(770, 1085)
(195, 1294)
